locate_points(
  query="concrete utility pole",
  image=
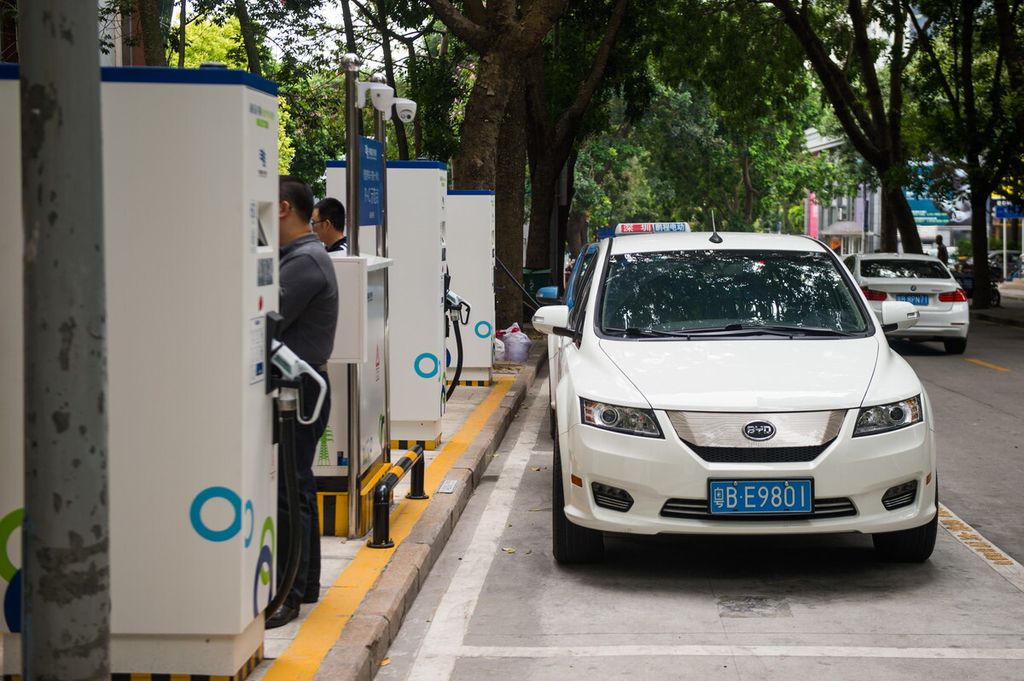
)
(66, 535)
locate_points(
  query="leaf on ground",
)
(385, 662)
(536, 468)
(508, 549)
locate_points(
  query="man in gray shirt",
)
(309, 305)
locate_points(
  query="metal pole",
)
(65, 538)
(382, 250)
(351, 64)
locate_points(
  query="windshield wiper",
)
(804, 330)
(636, 332)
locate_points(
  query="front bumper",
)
(653, 471)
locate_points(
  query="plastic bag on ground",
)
(517, 344)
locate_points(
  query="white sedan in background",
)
(735, 385)
(922, 281)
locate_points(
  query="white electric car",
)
(739, 385)
(926, 283)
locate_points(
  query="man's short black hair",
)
(331, 209)
(298, 194)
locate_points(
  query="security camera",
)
(406, 109)
(381, 96)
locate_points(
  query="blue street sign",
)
(1007, 209)
(371, 181)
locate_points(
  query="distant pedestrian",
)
(329, 225)
(309, 305)
(943, 254)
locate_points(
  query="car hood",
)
(748, 375)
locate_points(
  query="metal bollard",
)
(411, 460)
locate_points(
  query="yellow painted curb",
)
(322, 628)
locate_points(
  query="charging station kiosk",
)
(469, 241)
(416, 196)
(190, 219)
(359, 340)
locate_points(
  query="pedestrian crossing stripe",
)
(240, 675)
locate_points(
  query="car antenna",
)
(715, 238)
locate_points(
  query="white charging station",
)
(417, 193)
(359, 340)
(469, 241)
(190, 212)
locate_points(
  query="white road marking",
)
(743, 651)
(997, 559)
(442, 644)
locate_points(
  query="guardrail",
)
(411, 460)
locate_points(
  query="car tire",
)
(955, 346)
(908, 546)
(997, 298)
(570, 543)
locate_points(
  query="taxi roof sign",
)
(650, 227)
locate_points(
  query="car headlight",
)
(629, 420)
(886, 417)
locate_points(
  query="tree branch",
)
(536, 24)
(855, 121)
(466, 30)
(568, 124)
(925, 41)
(867, 64)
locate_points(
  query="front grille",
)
(697, 509)
(758, 454)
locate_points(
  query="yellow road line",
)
(993, 367)
(322, 628)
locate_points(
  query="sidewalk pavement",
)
(1010, 312)
(371, 602)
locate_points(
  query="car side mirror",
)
(552, 319)
(548, 295)
(898, 316)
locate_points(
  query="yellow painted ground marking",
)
(322, 628)
(993, 367)
(972, 539)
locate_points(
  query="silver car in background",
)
(923, 281)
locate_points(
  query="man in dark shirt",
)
(329, 225)
(309, 305)
(943, 253)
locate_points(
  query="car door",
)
(584, 262)
(577, 319)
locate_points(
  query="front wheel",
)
(908, 546)
(955, 346)
(570, 544)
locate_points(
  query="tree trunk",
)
(979, 244)
(543, 193)
(888, 242)
(350, 31)
(252, 53)
(181, 37)
(896, 208)
(153, 38)
(401, 138)
(475, 164)
(577, 232)
(510, 197)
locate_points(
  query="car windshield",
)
(733, 292)
(903, 269)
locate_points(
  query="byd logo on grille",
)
(759, 431)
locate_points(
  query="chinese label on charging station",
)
(371, 181)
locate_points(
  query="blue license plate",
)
(760, 497)
(916, 300)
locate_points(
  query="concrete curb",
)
(364, 642)
(996, 319)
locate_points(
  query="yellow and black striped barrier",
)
(411, 460)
